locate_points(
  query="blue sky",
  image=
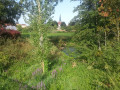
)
(64, 8)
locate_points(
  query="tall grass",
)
(74, 78)
(22, 68)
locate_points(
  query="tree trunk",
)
(39, 23)
(40, 31)
(118, 36)
(99, 45)
(105, 39)
(39, 11)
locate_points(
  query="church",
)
(59, 23)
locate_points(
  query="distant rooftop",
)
(22, 25)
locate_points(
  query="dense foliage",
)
(98, 38)
(10, 11)
(90, 60)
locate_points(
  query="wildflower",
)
(65, 63)
(41, 86)
(41, 83)
(33, 87)
(60, 69)
(37, 71)
(38, 85)
(33, 74)
(54, 73)
(41, 71)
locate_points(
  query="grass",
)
(10, 84)
(77, 78)
(24, 69)
(66, 34)
(62, 34)
(54, 37)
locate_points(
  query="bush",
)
(4, 61)
(106, 60)
(13, 51)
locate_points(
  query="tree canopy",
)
(10, 11)
(63, 24)
(46, 8)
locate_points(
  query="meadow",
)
(62, 34)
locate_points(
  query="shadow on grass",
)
(25, 35)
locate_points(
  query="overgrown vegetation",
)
(87, 59)
(23, 68)
(98, 39)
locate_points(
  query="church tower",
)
(59, 23)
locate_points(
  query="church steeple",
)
(60, 18)
(59, 23)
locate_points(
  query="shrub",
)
(13, 51)
(4, 61)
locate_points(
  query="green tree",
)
(63, 25)
(90, 18)
(10, 11)
(72, 23)
(39, 12)
(87, 13)
(110, 9)
(54, 23)
(87, 18)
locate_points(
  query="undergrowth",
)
(21, 68)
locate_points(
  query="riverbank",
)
(26, 72)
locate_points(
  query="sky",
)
(65, 9)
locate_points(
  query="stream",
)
(68, 50)
(71, 51)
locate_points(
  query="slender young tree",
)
(39, 12)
